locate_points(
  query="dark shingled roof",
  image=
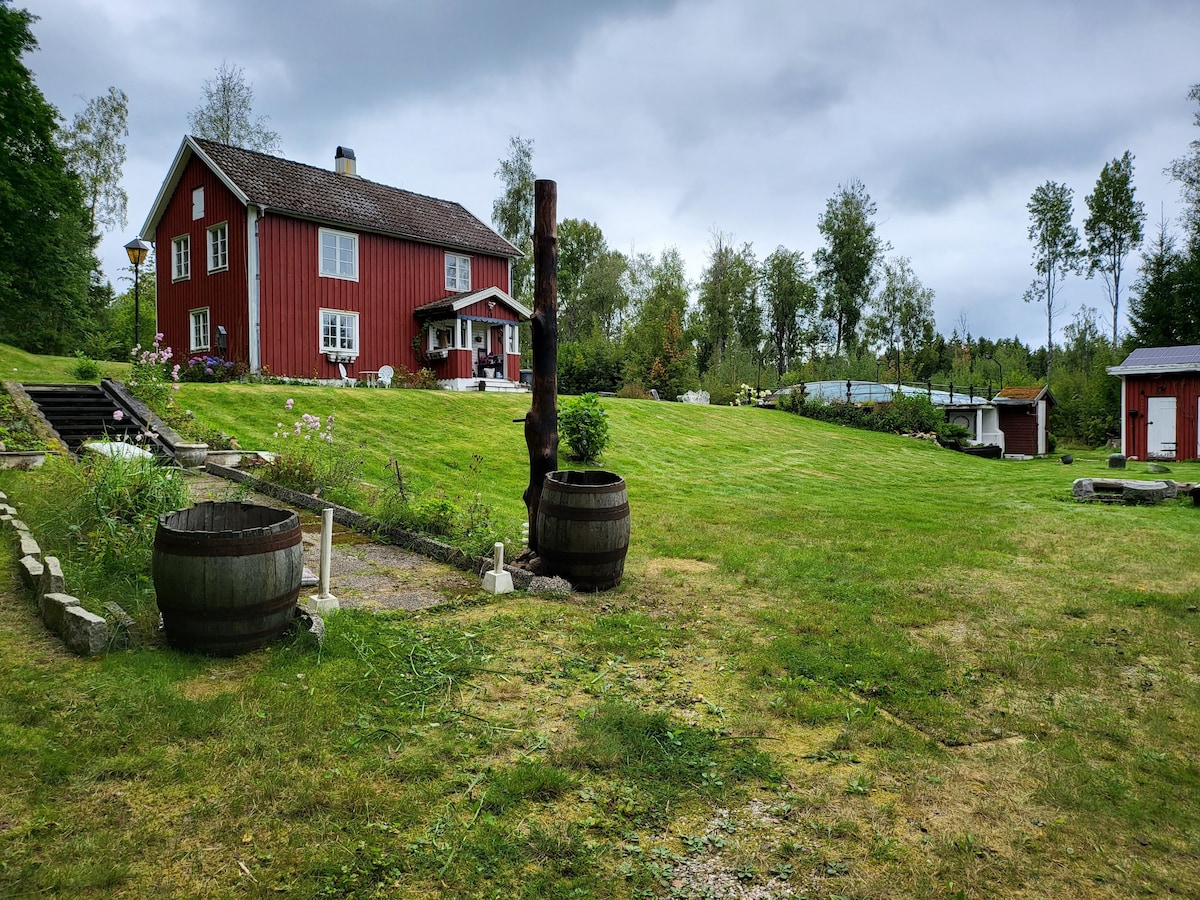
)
(321, 194)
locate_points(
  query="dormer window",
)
(458, 272)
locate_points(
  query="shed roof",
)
(297, 189)
(1159, 360)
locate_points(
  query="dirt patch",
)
(669, 565)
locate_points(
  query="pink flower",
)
(288, 405)
(158, 337)
(118, 415)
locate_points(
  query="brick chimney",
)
(344, 162)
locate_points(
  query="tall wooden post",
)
(541, 424)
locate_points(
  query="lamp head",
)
(137, 250)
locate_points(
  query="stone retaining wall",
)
(82, 631)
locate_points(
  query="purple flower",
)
(288, 405)
(118, 415)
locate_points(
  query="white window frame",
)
(511, 345)
(198, 203)
(334, 347)
(458, 272)
(218, 247)
(337, 271)
(181, 258)
(198, 327)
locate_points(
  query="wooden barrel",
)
(583, 528)
(227, 575)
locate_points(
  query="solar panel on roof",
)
(1163, 356)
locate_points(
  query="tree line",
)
(61, 190)
(852, 308)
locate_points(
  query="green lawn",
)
(858, 662)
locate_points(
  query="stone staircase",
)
(83, 412)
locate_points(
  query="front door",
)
(1160, 427)
(497, 349)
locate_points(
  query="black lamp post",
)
(1001, 365)
(137, 250)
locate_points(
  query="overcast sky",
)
(663, 122)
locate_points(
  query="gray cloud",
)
(662, 121)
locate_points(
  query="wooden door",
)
(1160, 427)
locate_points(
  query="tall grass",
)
(99, 517)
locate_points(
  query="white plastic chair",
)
(347, 381)
(386, 373)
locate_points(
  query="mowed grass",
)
(852, 664)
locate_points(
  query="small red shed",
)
(1160, 402)
(1024, 414)
(306, 272)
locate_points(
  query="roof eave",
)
(1162, 369)
(187, 148)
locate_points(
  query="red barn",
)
(301, 271)
(1160, 402)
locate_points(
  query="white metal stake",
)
(324, 601)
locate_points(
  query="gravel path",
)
(363, 573)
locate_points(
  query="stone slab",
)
(29, 547)
(84, 632)
(31, 571)
(51, 581)
(53, 608)
(124, 630)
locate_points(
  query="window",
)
(339, 255)
(181, 258)
(199, 329)
(458, 272)
(512, 338)
(339, 332)
(218, 247)
(198, 203)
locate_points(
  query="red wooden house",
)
(301, 271)
(1160, 402)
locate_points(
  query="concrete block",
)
(124, 630)
(29, 547)
(18, 525)
(31, 571)
(53, 608)
(3, 497)
(497, 582)
(52, 577)
(84, 632)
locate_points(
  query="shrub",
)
(902, 415)
(85, 368)
(584, 425)
(469, 524)
(307, 460)
(207, 368)
(151, 377)
(633, 390)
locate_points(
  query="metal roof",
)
(1151, 360)
(873, 392)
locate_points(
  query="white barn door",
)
(1160, 426)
